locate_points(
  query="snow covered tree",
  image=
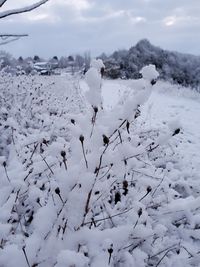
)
(36, 58)
(6, 60)
(172, 66)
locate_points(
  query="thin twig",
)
(35, 147)
(84, 155)
(47, 164)
(4, 165)
(118, 128)
(100, 160)
(108, 218)
(158, 186)
(163, 257)
(160, 252)
(24, 251)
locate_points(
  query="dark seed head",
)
(125, 184)
(95, 109)
(153, 81)
(26, 234)
(177, 131)
(57, 191)
(140, 212)
(110, 250)
(44, 141)
(105, 139)
(117, 197)
(149, 189)
(81, 138)
(63, 153)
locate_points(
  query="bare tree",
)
(7, 38)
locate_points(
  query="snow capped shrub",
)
(84, 186)
(97, 64)
(149, 72)
(94, 81)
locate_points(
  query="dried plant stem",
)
(84, 155)
(158, 263)
(123, 122)
(166, 249)
(158, 186)
(100, 160)
(144, 195)
(109, 217)
(35, 147)
(25, 255)
(46, 164)
(93, 121)
(6, 173)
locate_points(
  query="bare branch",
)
(2, 2)
(21, 10)
(8, 38)
(9, 41)
(5, 36)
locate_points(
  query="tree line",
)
(26, 65)
(176, 67)
(183, 69)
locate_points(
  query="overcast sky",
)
(63, 27)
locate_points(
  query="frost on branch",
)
(84, 190)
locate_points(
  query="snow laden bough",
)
(91, 188)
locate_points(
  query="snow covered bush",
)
(90, 187)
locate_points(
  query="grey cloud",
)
(105, 26)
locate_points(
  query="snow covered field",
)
(167, 103)
(88, 187)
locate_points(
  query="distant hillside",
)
(180, 68)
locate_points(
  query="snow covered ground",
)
(81, 187)
(167, 103)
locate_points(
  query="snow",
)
(67, 258)
(97, 64)
(167, 105)
(94, 81)
(116, 186)
(149, 72)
